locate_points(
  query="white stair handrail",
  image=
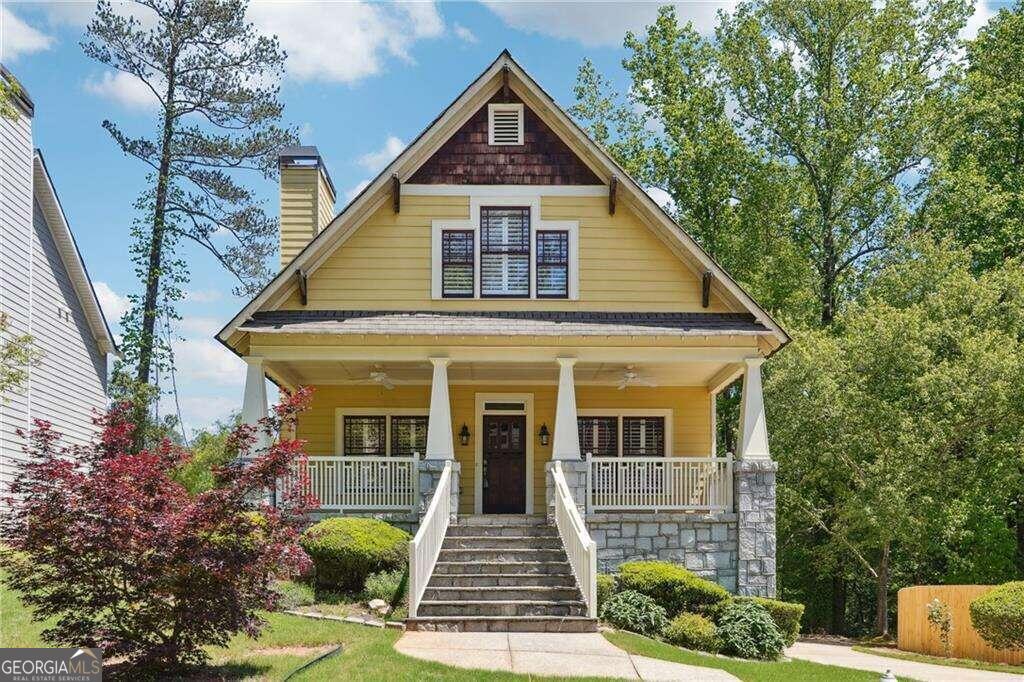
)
(426, 546)
(580, 548)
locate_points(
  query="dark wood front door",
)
(504, 464)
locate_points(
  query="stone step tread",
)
(504, 623)
(502, 602)
(501, 549)
(520, 577)
(502, 588)
(499, 538)
(525, 564)
(501, 520)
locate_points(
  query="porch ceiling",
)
(313, 372)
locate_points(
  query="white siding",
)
(69, 382)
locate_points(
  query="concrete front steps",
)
(502, 574)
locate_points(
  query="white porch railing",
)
(364, 483)
(579, 547)
(659, 483)
(424, 548)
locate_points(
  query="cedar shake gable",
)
(467, 159)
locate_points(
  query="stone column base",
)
(430, 475)
(754, 491)
(576, 476)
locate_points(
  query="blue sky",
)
(362, 80)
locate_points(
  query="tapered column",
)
(567, 435)
(439, 425)
(254, 400)
(753, 427)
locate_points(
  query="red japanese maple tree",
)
(105, 541)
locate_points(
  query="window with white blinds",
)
(398, 435)
(552, 264)
(457, 263)
(599, 436)
(643, 436)
(505, 252)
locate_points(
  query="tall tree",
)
(847, 93)
(216, 82)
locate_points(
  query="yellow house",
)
(509, 339)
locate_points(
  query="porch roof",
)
(512, 323)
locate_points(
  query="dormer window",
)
(505, 124)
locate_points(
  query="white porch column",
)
(440, 444)
(567, 435)
(254, 400)
(753, 428)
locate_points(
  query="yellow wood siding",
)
(307, 205)
(691, 419)
(386, 263)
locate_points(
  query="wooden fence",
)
(916, 633)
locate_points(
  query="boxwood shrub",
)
(747, 630)
(346, 550)
(671, 586)
(605, 589)
(691, 631)
(630, 610)
(998, 616)
(786, 615)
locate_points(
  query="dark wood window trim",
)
(562, 262)
(521, 252)
(448, 260)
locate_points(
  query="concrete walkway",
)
(845, 656)
(551, 654)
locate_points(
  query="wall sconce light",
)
(544, 434)
(464, 435)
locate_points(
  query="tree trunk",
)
(1019, 531)
(882, 594)
(838, 602)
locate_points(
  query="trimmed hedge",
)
(346, 550)
(630, 610)
(671, 586)
(691, 631)
(786, 615)
(605, 589)
(998, 616)
(747, 630)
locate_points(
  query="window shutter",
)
(505, 124)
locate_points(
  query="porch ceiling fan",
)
(378, 376)
(630, 377)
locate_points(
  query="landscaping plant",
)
(747, 630)
(672, 586)
(941, 619)
(386, 585)
(786, 615)
(692, 631)
(630, 610)
(998, 616)
(113, 549)
(605, 589)
(345, 551)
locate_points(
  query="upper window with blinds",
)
(505, 252)
(457, 263)
(505, 124)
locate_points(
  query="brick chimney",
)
(307, 198)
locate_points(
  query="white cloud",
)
(662, 198)
(202, 327)
(375, 161)
(353, 192)
(114, 305)
(599, 23)
(203, 296)
(983, 11)
(18, 38)
(199, 412)
(345, 41)
(123, 88)
(464, 34)
(201, 360)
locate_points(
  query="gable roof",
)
(71, 257)
(421, 149)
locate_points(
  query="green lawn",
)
(940, 660)
(749, 671)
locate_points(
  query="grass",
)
(750, 671)
(941, 660)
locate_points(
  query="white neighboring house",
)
(46, 292)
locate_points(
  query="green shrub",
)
(671, 586)
(294, 594)
(691, 631)
(786, 615)
(346, 550)
(998, 616)
(630, 610)
(385, 585)
(746, 629)
(605, 589)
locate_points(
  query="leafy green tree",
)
(976, 192)
(215, 81)
(17, 354)
(210, 449)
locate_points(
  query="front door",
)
(504, 464)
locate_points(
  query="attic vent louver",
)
(505, 124)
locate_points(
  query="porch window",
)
(552, 264)
(599, 436)
(365, 436)
(643, 436)
(457, 263)
(408, 435)
(505, 252)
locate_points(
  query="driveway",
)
(845, 656)
(585, 654)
